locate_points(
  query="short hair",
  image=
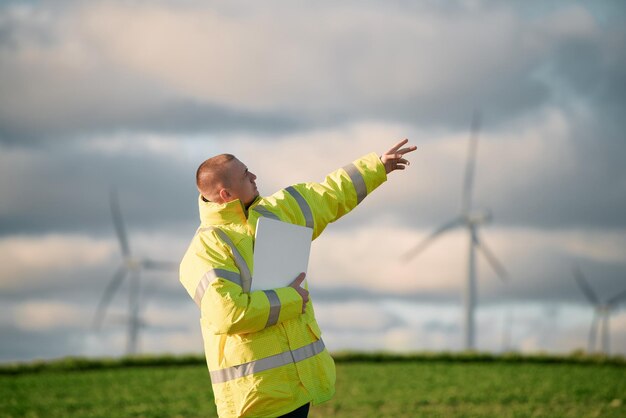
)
(209, 174)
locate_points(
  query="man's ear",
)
(225, 195)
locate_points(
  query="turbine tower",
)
(131, 267)
(471, 220)
(601, 313)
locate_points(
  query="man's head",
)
(224, 178)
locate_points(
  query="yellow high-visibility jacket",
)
(265, 357)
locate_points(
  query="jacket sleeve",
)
(210, 275)
(317, 204)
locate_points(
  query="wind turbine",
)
(601, 312)
(471, 220)
(130, 266)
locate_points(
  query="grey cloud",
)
(594, 68)
(107, 98)
(442, 327)
(53, 182)
(551, 279)
(65, 189)
(26, 345)
(172, 117)
(582, 186)
(589, 189)
(19, 345)
(346, 293)
(86, 285)
(188, 116)
(82, 289)
(55, 85)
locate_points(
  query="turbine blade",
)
(426, 241)
(583, 284)
(491, 258)
(617, 298)
(149, 264)
(118, 277)
(468, 182)
(118, 223)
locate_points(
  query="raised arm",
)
(317, 204)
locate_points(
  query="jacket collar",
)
(212, 213)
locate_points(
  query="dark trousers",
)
(301, 412)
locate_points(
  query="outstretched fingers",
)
(401, 164)
(406, 150)
(396, 147)
(394, 158)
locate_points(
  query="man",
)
(263, 348)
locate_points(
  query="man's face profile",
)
(240, 182)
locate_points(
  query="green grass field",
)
(367, 386)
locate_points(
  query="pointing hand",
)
(394, 158)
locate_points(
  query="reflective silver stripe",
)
(211, 276)
(246, 278)
(357, 181)
(304, 206)
(266, 213)
(274, 307)
(240, 262)
(307, 351)
(267, 363)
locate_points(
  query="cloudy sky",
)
(134, 95)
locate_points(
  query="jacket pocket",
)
(315, 330)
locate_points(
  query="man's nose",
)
(253, 176)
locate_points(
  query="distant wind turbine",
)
(601, 312)
(470, 220)
(131, 266)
